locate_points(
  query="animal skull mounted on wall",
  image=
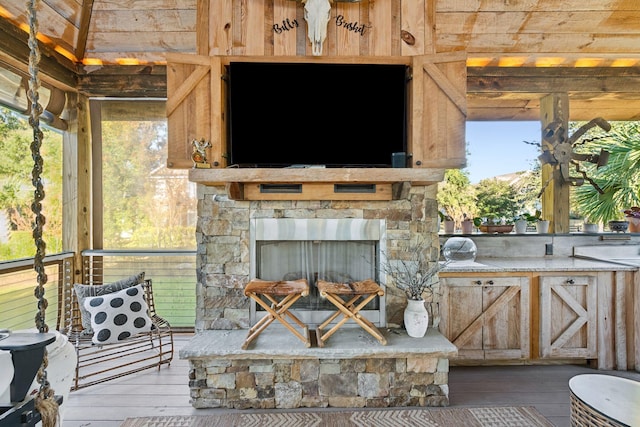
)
(317, 14)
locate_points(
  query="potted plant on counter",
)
(449, 223)
(493, 224)
(542, 225)
(633, 216)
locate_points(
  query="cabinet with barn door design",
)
(568, 308)
(486, 316)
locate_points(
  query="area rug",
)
(431, 417)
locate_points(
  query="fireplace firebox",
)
(335, 250)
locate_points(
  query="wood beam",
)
(496, 80)
(54, 68)
(555, 197)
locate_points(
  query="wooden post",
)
(555, 198)
(76, 230)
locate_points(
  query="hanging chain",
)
(45, 404)
(36, 179)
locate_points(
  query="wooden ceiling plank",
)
(83, 33)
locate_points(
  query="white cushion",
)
(118, 315)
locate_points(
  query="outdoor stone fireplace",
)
(277, 371)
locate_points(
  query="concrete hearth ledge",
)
(277, 342)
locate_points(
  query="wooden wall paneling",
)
(606, 321)
(202, 27)
(439, 84)
(415, 29)
(248, 27)
(285, 27)
(220, 22)
(384, 28)
(620, 319)
(346, 41)
(189, 115)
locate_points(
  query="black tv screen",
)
(301, 114)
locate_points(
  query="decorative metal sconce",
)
(560, 152)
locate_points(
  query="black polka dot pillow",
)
(119, 315)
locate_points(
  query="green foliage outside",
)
(144, 203)
(490, 198)
(16, 194)
(619, 178)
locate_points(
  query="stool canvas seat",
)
(280, 296)
(349, 299)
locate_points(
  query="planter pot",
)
(618, 226)
(590, 228)
(521, 226)
(449, 227)
(416, 318)
(500, 229)
(542, 226)
(634, 225)
(467, 227)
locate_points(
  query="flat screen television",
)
(309, 114)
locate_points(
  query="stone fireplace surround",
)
(277, 371)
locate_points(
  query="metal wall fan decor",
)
(558, 151)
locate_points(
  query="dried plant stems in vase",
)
(416, 274)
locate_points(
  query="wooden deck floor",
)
(166, 392)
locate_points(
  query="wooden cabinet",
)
(568, 307)
(197, 105)
(486, 316)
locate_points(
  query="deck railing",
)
(173, 274)
(18, 279)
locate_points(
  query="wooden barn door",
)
(438, 111)
(194, 108)
(487, 317)
(568, 317)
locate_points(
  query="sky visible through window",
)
(498, 148)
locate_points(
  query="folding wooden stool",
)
(338, 293)
(281, 295)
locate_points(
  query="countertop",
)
(486, 265)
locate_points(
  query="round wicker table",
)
(604, 400)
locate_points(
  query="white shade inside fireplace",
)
(364, 247)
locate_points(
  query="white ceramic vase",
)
(416, 318)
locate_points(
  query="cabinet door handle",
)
(478, 282)
(489, 282)
(571, 281)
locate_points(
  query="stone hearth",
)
(277, 371)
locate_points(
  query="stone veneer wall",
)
(223, 245)
(315, 383)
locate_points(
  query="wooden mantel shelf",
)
(316, 175)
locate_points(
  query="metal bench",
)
(104, 362)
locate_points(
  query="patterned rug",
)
(432, 417)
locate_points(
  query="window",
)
(16, 194)
(144, 204)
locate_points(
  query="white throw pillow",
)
(118, 315)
